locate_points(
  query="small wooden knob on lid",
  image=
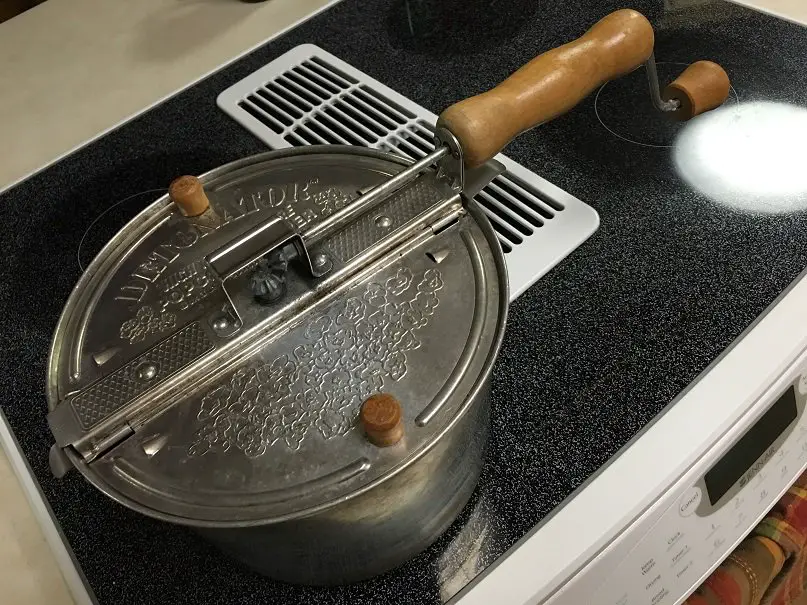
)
(187, 193)
(702, 86)
(381, 418)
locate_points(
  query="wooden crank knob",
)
(382, 419)
(187, 193)
(549, 85)
(701, 87)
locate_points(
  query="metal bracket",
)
(255, 243)
(59, 463)
(451, 166)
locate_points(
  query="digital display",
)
(751, 446)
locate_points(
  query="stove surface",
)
(695, 241)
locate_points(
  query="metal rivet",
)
(383, 222)
(146, 371)
(320, 260)
(220, 324)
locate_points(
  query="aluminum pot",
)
(379, 529)
(180, 392)
(292, 354)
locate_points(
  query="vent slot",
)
(396, 112)
(271, 109)
(290, 97)
(332, 119)
(362, 120)
(279, 104)
(538, 198)
(333, 71)
(299, 91)
(312, 75)
(309, 97)
(260, 116)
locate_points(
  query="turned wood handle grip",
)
(701, 87)
(549, 85)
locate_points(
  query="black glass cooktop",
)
(702, 226)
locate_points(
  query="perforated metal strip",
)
(111, 393)
(310, 97)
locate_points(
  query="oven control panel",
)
(711, 509)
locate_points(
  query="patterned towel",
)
(768, 568)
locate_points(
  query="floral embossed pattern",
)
(346, 355)
(145, 322)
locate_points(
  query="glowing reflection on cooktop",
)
(750, 156)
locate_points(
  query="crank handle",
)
(556, 81)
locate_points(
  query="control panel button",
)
(659, 596)
(684, 569)
(717, 544)
(690, 501)
(680, 555)
(673, 539)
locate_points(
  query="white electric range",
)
(672, 504)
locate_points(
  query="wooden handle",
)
(701, 87)
(187, 193)
(549, 85)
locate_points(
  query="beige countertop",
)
(794, 10)
(73, 69)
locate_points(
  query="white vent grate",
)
(308, 97)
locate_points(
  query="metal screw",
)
(146, 371)
(383, 222)
(320, 260)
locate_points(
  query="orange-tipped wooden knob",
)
(187, 193)
(381, 418)
(702, 86)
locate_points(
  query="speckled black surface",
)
(593, 352)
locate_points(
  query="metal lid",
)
(189, 383)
